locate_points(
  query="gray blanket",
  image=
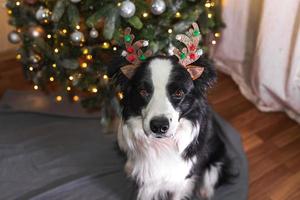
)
(50, 151)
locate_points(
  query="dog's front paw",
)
(128, 168)
(205, 193)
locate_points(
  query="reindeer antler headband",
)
(186, 56)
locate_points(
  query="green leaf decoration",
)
(136, 22)
(73, 15)
(110, 24)
(58, 10)
(69, 63)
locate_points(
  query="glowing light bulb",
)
(18, 56)
(145, 14)
(207, 5)
(35, 87)
(170, 30)
(58, 98)
(18, 3)
(68, 88)
(89, 57)
(105, 45)
(30, 68)
(94, 90)
(84, 65)
(115, 48)
(105, 77)
(49, 36)
(56, 50)
(54, 65)
(71, 78)
(64, 31)
(51, 78)
(75, 98)
(85, 51)
(217, 35)
(120, 95)
(209, 15)
(214, 42)
(77, 27)
(178, 15)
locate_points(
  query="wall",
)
(6, 47)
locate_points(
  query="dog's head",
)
(163, 89)
(161, 92)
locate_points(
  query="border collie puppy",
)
(166, 131)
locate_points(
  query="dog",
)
(166, 131)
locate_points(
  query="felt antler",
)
(190, 53)
(133, 53)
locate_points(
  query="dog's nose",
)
(159, 125)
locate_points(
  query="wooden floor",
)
(271, 140)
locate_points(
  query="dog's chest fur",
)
(157, 165)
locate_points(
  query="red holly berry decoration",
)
(131, 58)
(192, 47)
(130, 49)
(192, 56)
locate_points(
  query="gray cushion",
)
(52, 152)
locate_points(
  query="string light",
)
(105, 45)
(177, 14)
(89, 57)
(9, 12)
(56, 50)
(85, 51)
(84, 65)
(68, 88)
(58, 98)
(94, 90)
(49, 36)
(105, 77)
(145, 14)
(65, 31)
(51, 78)
(18, 3)
(217, 35)
(214, 42)
(35, 87)
(170, 30)
(120, 95)
(18, 56)
(71, 78)
(212, 4)
(75, 98)
(61, 44)
(77, 27)
(209, 15)
(119, 4)
(54, 65)
(207, 5)
(115, 48)
(30, 68)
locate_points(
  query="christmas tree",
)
(69, 43)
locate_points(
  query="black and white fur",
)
(189, 157)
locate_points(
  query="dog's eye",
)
(144, 93)
(179, 93)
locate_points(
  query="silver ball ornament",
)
(127, 9)
(75, 1)
(77, 36)
(14, 37)
(35, 58)
(94, 33)
(42, 14)
(36, 31)
(158, 7)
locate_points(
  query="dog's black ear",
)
(208, 76)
